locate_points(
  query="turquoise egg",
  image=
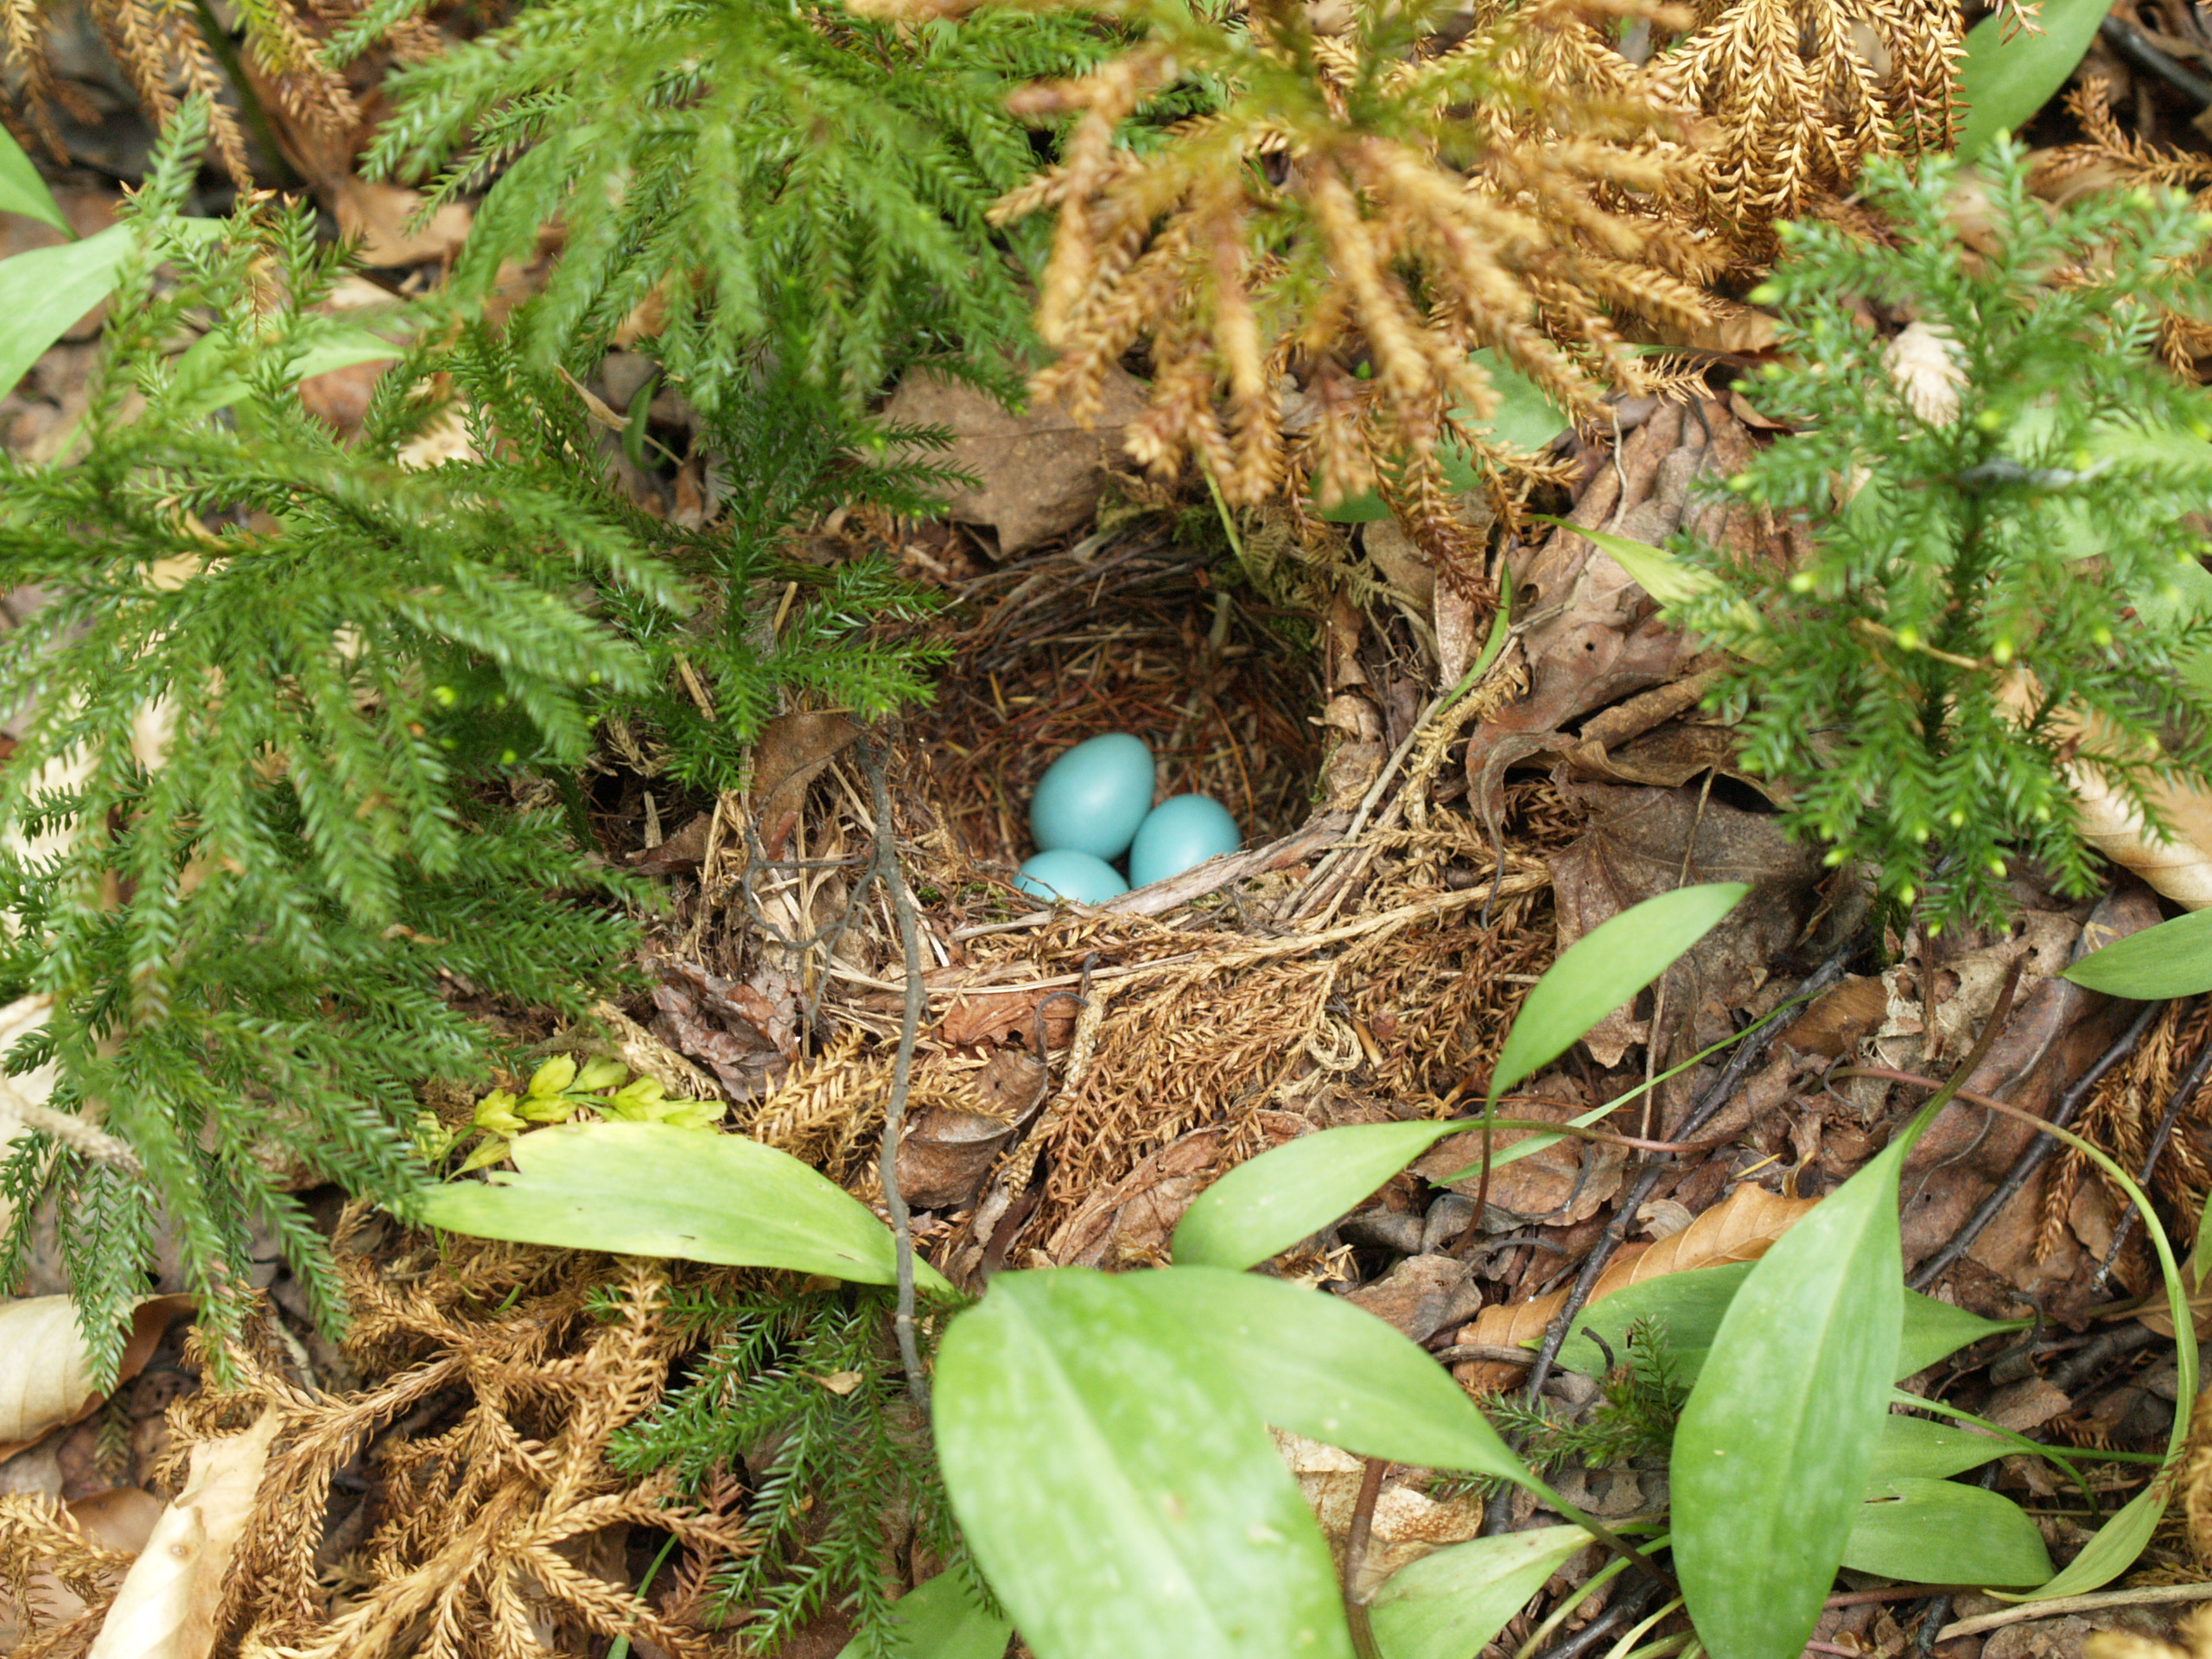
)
(1067, 874)
(1180, 833)
(1093, 798)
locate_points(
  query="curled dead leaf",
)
(1738, 1229)
(167, 1606)
(46, 1372)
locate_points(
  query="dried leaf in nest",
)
(1738, 1228)
(1352, 203)
(484, 1523)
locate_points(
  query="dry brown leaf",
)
(1738, 1229)
(46, 1375)
(790, 754)
(167, 1606)
(1040, 472)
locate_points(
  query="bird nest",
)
(1080, 1072)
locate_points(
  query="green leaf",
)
(1604, 968)
(1450, 1604)
(1121, 1494)
(1268, 1204)
(646, 1189)
(1777, 1441)
(44, 291)
(1926, 1450)
(941, 1619)
(1668, 579)
(1941, 1532)
(2003, 83)
(2113, 1551)
(2172, 959)
(1689, 1305)
(22, 190)
(1321, 1367)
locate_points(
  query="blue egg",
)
(1093, 798)
(1180, 834)
(1067, 874)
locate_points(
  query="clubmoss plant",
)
(2001, 580)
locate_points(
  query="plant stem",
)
(885, 869)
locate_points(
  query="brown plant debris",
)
(498, 1500)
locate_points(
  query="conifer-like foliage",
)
(290, 713)
(802, 1397)
(1977, 612)
(742, 171)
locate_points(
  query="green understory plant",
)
(1992, 596)
(1101, 1436)
(300, 723)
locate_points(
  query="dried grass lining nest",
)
(1188, 1025)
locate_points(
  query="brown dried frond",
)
(47, 1565)
(1312, 266)
(161, 47)
(483, 1522)
(1803, 93)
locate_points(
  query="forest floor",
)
(1412, 865)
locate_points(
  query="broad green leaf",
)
(1774, 1445)
(1689, 1304)
(1943, 1532)
(941, 1619)
(648, 1189)
(2113, 1551)
(22, 190)
(1451, 1602)
(1321, 1367)
(1266, 1205)
(1604, 968)
(44, 291)
(342, 348)
(1525, 419)
(2003, 83)
(2172, 959)
(1926, 1450)
(1120, 1494)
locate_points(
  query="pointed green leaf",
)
(44, 291)
(1604, 968)
(1926, 1450)
(2172, 959)
(1943, 1532)
(1775, 1446)
(22, 190)
(2113, 1551)
(647, 1189)
(1266, 1203)
(1321, 1367)
(2003, 83)
(941, 1619)
(1120, 1494)
(1450, 1604)
(1689, 1305)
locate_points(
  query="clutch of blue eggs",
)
(1094, 804)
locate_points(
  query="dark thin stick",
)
(1748, 1054)
(2131, 44)
(2039, 1153)
(1355, 1536)
(886, 869)
(1630, 1604)
(2183, 1095)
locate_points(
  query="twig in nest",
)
(885, 869)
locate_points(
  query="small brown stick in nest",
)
(885, 869)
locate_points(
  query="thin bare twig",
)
(885, 869)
